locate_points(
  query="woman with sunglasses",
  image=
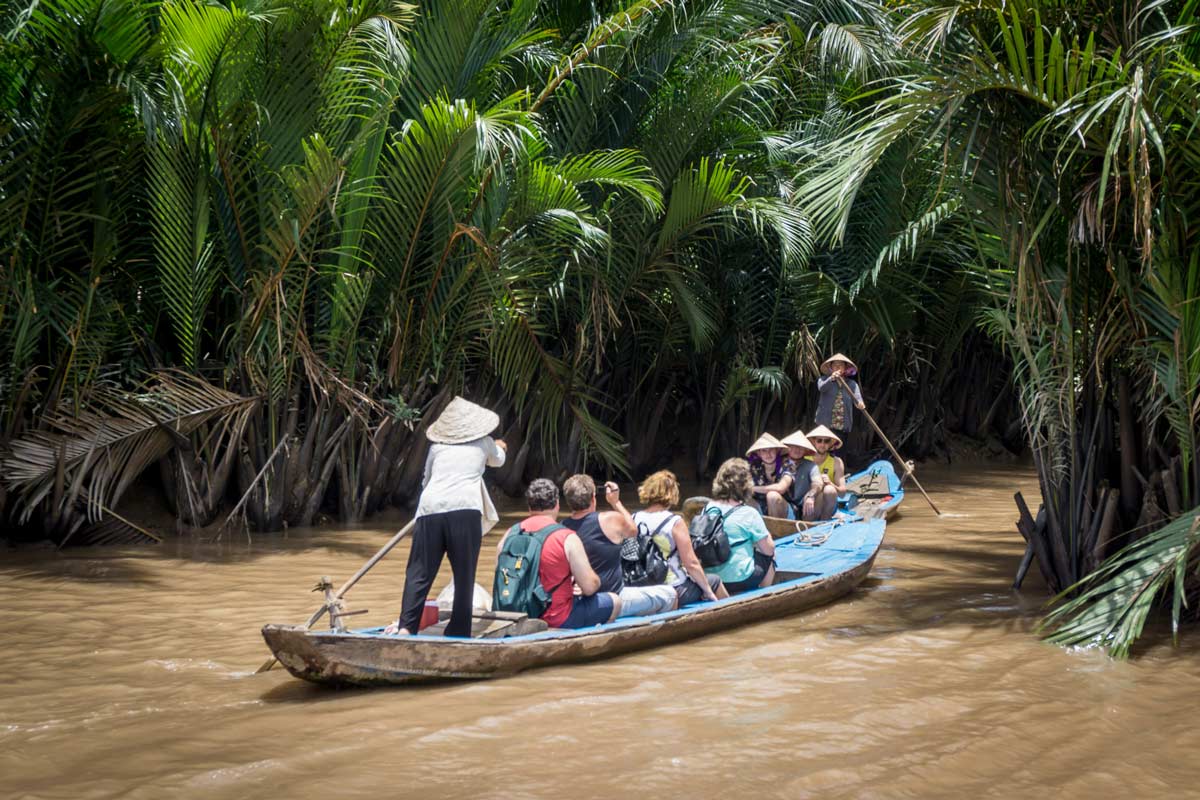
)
(832, 471)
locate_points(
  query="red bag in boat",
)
(429, 615)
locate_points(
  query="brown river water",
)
(130, 673)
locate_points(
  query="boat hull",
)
(367, 658)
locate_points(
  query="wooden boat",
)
(877, 491)
(807, 576)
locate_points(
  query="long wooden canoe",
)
(807, 576)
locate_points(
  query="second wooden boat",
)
(807, 575)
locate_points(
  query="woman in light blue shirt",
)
(751, 562)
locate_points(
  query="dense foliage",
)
(261, 245)
(1053, 145)
(345, 213)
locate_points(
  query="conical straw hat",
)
(851, 371)
(798, 439)
(462, 421)
(764, 442)
(821, 432)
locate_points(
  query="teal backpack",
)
(517, 587)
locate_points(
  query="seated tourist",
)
(564, 567)
(660, 493)
(832, 472)
(806, 478)
(771, 474)
(751, 562)
(602, 533)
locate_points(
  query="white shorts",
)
(642, 601)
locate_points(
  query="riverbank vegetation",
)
(255, 248)
(1056, 144)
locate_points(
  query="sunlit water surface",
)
(130, 673)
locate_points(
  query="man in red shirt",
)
(564, 570)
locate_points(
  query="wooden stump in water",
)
(1034, 533)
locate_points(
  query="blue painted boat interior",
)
(885, 482)
(848, 544)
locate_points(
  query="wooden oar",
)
(372, 561)
(899, 458)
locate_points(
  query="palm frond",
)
(1110, 607)
(91, 458)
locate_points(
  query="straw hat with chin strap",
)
(821, 432)
(827, 365)
(798, 439)
(461, 422)
(765, 442)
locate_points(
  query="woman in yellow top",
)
(833, 472)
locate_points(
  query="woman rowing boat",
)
(453, 513)
(838, 398)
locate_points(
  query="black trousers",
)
(457, 534)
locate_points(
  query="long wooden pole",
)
(899, 460)
(372, 561)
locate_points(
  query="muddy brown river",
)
(130, 673)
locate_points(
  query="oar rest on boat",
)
(484, 624)
(334, 604)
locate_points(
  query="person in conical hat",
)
(806, 478)
(453, 513)
(763, 443)
(835, 402)
(823, 435)
(765, 458)
(832, 472)
(841, 362)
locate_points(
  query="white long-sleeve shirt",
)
(454, 479)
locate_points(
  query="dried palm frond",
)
(113, 529)
(88, 460)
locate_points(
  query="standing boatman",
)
(453, 513)
(835, 405)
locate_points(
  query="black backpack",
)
(709, 539)
(642, 562)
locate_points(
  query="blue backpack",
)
(517, 587)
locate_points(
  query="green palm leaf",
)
(1111, 606)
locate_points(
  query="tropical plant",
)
(76, 470)
(1057, 135)
(584, 215)
(1112, 605)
